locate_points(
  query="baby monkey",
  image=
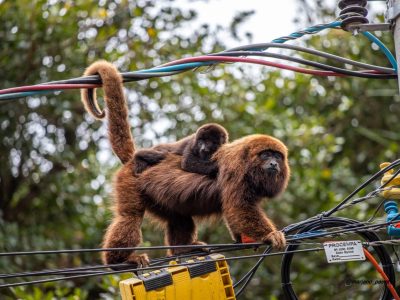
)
(197, 150)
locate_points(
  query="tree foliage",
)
(56, 166)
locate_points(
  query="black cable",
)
(133, 76)
(358, 229)
(126, 77)
(153, 262)
(340, 59)
(211, 246)
(383, 256)
(372, 178)
(61, 271)
(308, 63)
(7, 285)
(249, 275)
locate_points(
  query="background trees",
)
(55, 163)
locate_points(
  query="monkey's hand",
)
(277, 239)
(177, 251)
(141, 260)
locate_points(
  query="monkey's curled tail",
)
(119, 131)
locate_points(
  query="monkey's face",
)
(206, 148)
(272, 161)
(269, 173)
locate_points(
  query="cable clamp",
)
(393, 11)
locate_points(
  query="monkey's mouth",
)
(272, 171)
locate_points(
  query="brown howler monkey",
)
(196, 149)
(250, 169)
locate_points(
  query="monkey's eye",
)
(271, 154)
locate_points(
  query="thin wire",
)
(154, 262)
(250, 274)
(7, 285)
(340, 59)
(362, 186)
(211, 246)
(373, 193)
(293, 238)
(376, 211)
(347, 72)
(214, 59)
(370, 195)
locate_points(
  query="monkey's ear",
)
(245, 153)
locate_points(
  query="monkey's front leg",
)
(250, 220)
(124, 232)
(181, 230)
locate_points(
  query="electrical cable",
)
(7, 285)
(310, 30)
(153, 262)
(383, 48)
(250, 274)
(364, 228)
(209, 246)
(260, 46)
(383, 274)
(166, 70)
(213, 59)
(362, 186)
(314, 64)
(369, 236)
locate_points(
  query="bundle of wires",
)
(241, 54)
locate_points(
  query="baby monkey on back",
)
(196, 150)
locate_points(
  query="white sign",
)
(343, 251)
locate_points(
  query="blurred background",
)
(55, 161)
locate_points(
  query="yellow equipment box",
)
(205, 278)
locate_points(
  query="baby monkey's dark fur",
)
(249, 169)
(196, 149)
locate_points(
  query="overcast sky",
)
(272, 18)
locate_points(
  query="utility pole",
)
(393, 16)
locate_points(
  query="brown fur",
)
(196, 149)
(174, 197)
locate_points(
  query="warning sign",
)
(343, 251)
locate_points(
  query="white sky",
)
(272, 19)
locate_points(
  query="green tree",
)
(56, 165)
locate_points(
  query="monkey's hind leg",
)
(181, 230)
(123, 232)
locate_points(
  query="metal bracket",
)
(369, 27)
(393, 11)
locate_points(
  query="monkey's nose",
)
(273, 165)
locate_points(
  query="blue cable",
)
(180, 67)
(383, 48)
(309, 30)
(188, 66)
(9, 96)
(317, 28)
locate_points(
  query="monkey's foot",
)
(177, 251)
(140, 260)
(277, 239)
